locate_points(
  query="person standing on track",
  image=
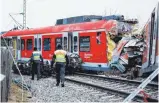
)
(36, 60)
(60, 60)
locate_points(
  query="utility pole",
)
(24, 14)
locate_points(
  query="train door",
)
(37, 42)
(71, 42)
(22, 47)
(65, 41)
(75, 42)
(153, 36)
(15, 47)
(18, 55)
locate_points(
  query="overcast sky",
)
(42, 13)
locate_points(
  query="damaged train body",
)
(139, 51)
(101, 43)
(142, 51)
(150, 34)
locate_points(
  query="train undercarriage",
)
(46, 69)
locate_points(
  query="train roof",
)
(102, 24)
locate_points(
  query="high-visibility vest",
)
(36, 55)
(60, 56)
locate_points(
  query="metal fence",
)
(6, 65)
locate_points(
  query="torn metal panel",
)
(118, 49)
(131, 43)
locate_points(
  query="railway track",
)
(117, 79)
(119, 88)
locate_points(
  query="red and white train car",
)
(88, 40)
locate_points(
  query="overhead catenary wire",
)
(24, 15)
(16, 21)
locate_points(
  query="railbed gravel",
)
(45, 90)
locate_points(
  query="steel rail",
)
(117, 79)
(125, 94)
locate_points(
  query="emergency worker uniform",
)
(60, 60)
(36, 60)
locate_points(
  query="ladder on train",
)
(142, 85)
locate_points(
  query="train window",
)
(47, 44)
(85, 44)
(22, 44)
(58, 41)
(39, 43)
(35, 42)
(65, 43)
(75, 43)
(29, 44)
(98, 37)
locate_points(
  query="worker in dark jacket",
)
(36, 60)
(60, 60)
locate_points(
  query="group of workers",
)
(59, 61)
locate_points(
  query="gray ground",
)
(45, 90)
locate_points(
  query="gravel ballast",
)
(45, 90)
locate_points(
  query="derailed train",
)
(99, 43)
